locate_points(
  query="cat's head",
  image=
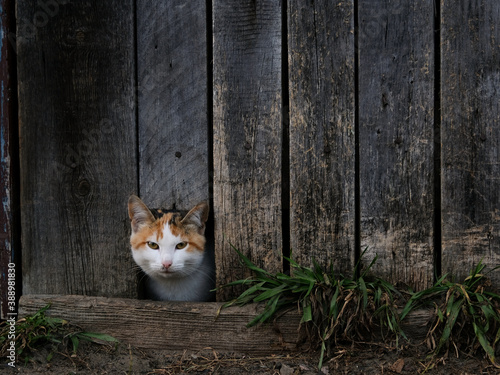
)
(167, 244)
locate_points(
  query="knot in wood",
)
(80, 36)
(83, 188)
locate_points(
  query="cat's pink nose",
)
(166, 264)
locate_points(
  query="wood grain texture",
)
(172, 102)
(322, 140)
(77, 137)
(9, 189)
(172, 326)
(470, 135)
(396, 133)
(247, 136)
(190, 326)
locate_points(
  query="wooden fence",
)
(321, 126)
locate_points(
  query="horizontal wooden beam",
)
(170, 325)
(178, 326)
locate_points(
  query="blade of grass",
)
(453, 309)
(269, 293)
(75, 342)
(306, 314)
(369, 266)
(98, 338)
(269, 311)
(481, 336)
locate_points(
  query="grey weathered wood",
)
(79, 142)
(247, 135)
(190, 326)
(172, 326)
(470, 135)
(322, 138)
(396, 125)
(77, 139)
(9, 190)
(172, 102)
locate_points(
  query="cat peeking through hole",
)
(170, 248)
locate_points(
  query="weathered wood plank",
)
(247, 135)
(9, 191)
(77, 137)
(172, 326)
(172, 102)
(189, 326)
(322, 140)
(396, 133)
(470, 135)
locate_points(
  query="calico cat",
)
(170, 248)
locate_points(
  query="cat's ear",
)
(139, 213)
(198, 216)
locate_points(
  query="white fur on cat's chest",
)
(194, 287)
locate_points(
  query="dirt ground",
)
(366, 359)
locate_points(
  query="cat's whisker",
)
(200, 271)
(143, 277)
(135, 268)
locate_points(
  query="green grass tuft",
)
(39, 330)
(339, 308)
(333, 307)
(467, 314)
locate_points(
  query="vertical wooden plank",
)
(322, 138)
(9, 231)
(470, 135)
(77, 140)
(396, 110)
(247, 135)
(172, 102)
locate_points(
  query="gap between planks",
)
(179, 326)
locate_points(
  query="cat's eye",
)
(153, 245)
(181, 245)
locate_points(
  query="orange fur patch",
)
(195, 240)
(167, 219)
(139, 239)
